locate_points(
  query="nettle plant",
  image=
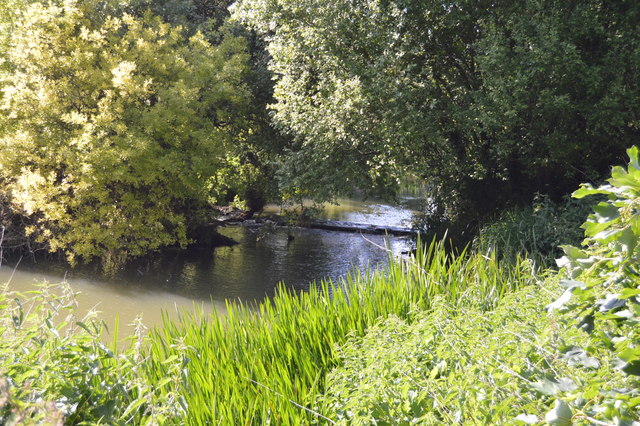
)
(602, 285)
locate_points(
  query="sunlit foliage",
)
(489, 101)
(112, 124)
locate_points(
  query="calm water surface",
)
(196, 280)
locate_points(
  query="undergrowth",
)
(536, 231)
(435, 339)
(55, 367)
(264, 365)
(542, 356)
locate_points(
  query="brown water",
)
(199, 280)
(111, 300)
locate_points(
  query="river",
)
(202, 280)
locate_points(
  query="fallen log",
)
(365, 228)
(330, 225)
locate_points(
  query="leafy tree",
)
(112, 125)
(489, 101)
(601, 281)
(249, 170)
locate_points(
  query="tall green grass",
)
(535, 231)
(267, 364)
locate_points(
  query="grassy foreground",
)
(438, 339)
(252, 366)
(270, 364)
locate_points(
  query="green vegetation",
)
(516, 363)
(56, 367)
(536, 232)
(123, 122)
(119, 130)
(109, 134)
(281, 351)
(247, 365)
(490, 102)
(450, 365)
(440, 338)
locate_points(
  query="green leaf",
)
(133, 406)
(28, 375)
(560, 301)
(633, 157)
(574, 252)
(626, 293)
(607, 236)
(552, 387)
(577, 356)
(560, 415)
(170, 359)
(622, 179)
(84, 326)
(162, 382)
(569, 284)
(632, 368)
(605, 212)
(630, 354)
(628, 240)
(611, 301)
(546, 387)
(587, 189)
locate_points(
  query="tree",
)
(112, 125)
(248, 176)
(490, 101)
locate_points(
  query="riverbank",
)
(250, 270)
(384, 346)
(255, 362)
(438, 338)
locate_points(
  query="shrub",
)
(579, 364)
(111, 125)
(536, 231)
(54, 367)
(602, 287)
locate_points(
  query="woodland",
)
(126, 125)
(124, 122)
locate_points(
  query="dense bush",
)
(602, 281)
(461, 364)
(112, 124)
(55, 367)
(515, 364)
(537, 231)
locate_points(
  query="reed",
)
(267, 363)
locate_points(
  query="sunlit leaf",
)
(561, 414)
(561, 301)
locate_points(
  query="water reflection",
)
(248, 271)
(371, 211)
(252, 269)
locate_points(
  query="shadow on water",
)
(251, 269)
(247, 271)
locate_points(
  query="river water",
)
(200, 280)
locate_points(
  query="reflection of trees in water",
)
(249, 270)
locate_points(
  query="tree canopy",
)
(113, 124)
(122, 120)
(489, 101)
